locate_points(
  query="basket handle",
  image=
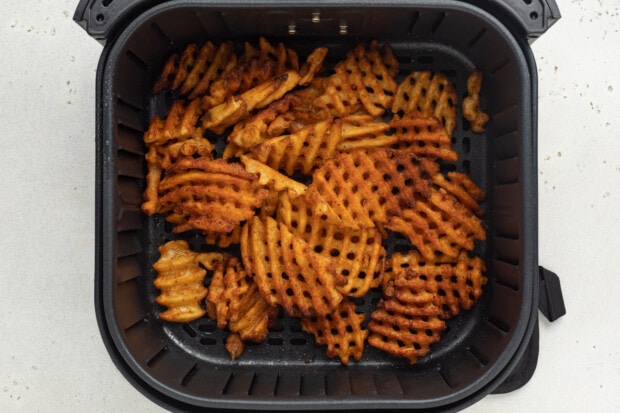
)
(551, 301)
(100, 18)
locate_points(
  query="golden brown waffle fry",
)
(180, 278)
(431, 94)
(423, 136)
(237, 108)
(302, 151)
(405, 330)
(271, 178)
(365, 188)
(341, 331)
(209, 195)
(357, 255)
(211, 65)
(180, 123)
(463, 188)
(471, 104)
(455, 282)
(223, 240)
(439, 224)
(235, 302)
(361, 81)
(161, 157)
(272, 121)
(288, 273)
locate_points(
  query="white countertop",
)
(52, 357)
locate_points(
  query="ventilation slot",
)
(127, 269)
(288, 384)
(239, 384)
(414, 20)
(160, 33)
(137, 60)
(190, 374)
(152, 362)
(136, 324)
(476, 38)
(438, 23)
(478, 355)
(497, 324)
(499, 66)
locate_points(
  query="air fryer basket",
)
(186, 366)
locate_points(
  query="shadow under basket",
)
(492, 348)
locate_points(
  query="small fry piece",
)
(341, 331)
(179, 278)
(471, 104)
(431, 94)
(269, 177)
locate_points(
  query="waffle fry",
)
(235, 302)
(272, 121)
(471, 104)
(357, 255)
(405, 330)
(271, 178)
(439, 224)
(302, 151)
(179, 124)
(455, 283)
(361, 81)
(341, 331)
(367, 188)
(431, 94)
(223, 240)
(288, 273)
(423, 136)
(179, 278)
(234, 346)
(208, 195)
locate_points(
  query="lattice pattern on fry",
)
(439, 223)
(341, 331)
(357, 255)
(471, 104)
(208, 195)
(180, 281)
(406, 329)
(235, 302)
(367, 188)
(288, 273)
(431, 94)
(423, 136)
(455, 282)
(302, 151)
(272, 121)
(179, 124)
(364, 80)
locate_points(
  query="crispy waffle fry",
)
(439, 224)
(431, 94)
(223, 240)
(423, 136)
(361, 81)
(235, 302)
(365, 188)
(226, 114)
(463, 188)
(179, 278)
(406, 330)
(471, 104)
(341, 331)
(272, 121)
(455, 282)
(209, 195)
(269, 177)
(288, 273)
(302, 151)
(180, 123)
(357, 255)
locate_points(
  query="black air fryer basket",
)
(492, 348)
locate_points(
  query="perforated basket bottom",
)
(287, 343)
